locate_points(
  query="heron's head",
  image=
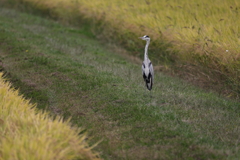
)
(146, 38)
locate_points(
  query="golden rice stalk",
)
(26, 133)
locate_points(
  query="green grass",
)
(200, 37)
(66, 71)
(30, 133)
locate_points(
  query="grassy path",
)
(67, 72)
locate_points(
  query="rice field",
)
(208, 23)
(183, 22)
(200, 32)
(68, 72)
(27, 133)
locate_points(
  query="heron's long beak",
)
(140, 37)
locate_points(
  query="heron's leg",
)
(151, 98)
(151, 95)
(144, 91)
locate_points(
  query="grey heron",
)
(147, 67)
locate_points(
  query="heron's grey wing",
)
(151, 70)
(143, 66)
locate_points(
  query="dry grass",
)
(27, 133)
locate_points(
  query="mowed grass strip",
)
(200, 36)
(28, 133)
(70, 74)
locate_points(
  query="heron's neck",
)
(146, 50)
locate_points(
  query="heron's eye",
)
(147, 36)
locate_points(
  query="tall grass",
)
(203, 32)
(30, 134)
